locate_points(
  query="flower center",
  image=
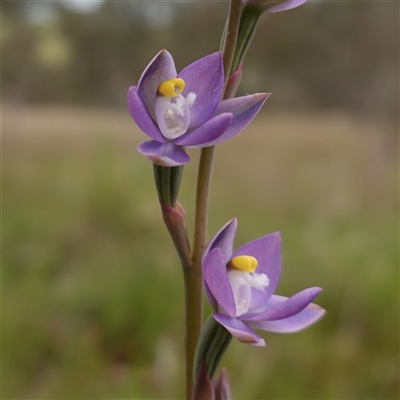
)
(242, 278)
(244, 263)
(172, 87)
(172, 109)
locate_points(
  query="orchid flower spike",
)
(240, 287)
(185, 109)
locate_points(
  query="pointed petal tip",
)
(275, 235)
(233, 221)
(317, 289)
(262, 95)
(260, 343)
(318, 309)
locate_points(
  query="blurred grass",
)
(92, 292)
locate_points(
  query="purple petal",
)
(160, 69)
(223, 239)
(240, 330)
(141, 115)
(288, 5)
(244, 109)
(216, 278)
(209, 131)
(267, 251)
(303, 319)
(205, 78)
(280, 307)
(165, 154)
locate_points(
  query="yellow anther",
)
(172, 88)
(244, 263)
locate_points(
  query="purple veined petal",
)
(244, 109)
(267, 251)
(141, 116)
(205, 78)
(239, 330)
(288, 5)
(280, 307)
(212, 129)
(161, 68)
(216, 278)
(312, 313)
(165, 154)
(223, 239)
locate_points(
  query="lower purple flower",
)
(240, 287)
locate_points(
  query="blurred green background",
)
(91, 286)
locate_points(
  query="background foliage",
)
(92, 292)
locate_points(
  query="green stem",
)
(231, 35)
(193, 276)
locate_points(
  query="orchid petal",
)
(240, 330)
(288, 5)
(297, 322)
(223, 239)
(205, 78)
(280, 307)
(216, 278)
(160, 69)
(267, 251)
(165, 154)
(244, 109)
(207, 132)
(141, 115)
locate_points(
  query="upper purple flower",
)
(240, 287)
(185, 109)
(275, 5)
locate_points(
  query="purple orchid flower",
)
(240, 287)
(185, 109)
(274, 5)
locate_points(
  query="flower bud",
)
(203, 388)
(222, 387)
(233, 82)
(175, 221)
